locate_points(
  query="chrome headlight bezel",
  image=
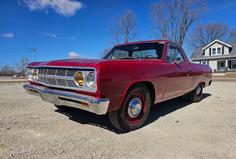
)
(79, 78)
(32, 74)
(91, 79)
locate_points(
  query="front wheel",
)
(134, 111)
(196, 94)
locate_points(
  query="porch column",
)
(227, 64)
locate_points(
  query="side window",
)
(174, 55)
(169, 57)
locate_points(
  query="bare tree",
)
(172, 18)
(22, 68)
(7, 70)
(123, 29)
(232, 35)
(206, 33)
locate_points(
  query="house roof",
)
(198, 53)
(216, 40)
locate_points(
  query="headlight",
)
(32, 74)
(29, 74)
(35, 72)
(79, 78)
(90, 79)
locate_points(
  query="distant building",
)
(219, 55)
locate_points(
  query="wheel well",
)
(150, 87)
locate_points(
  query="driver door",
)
(176, 83)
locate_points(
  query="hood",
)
(69, 63)
(85, 62)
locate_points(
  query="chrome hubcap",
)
(198, 90)
(135, 107)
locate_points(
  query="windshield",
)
(136, 51)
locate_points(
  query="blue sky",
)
(60, 27)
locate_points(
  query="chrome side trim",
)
(65, 67)
(57, 77)
(95, 105)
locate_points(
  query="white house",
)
(219, 55)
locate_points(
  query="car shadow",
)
(157, 111)
(167, 107)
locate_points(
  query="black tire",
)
(196, 94)
(134, 110)
(114, 117)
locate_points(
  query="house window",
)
(222, 64)
(218, 51)
(213, 51)
(204, 62)
(233, 64)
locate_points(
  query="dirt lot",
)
(7, 79)
(30, 128)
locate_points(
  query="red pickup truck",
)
(125, 83)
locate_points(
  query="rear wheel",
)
(196, 94)
(134, 111)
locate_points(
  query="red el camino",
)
(125, 83)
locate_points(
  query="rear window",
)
(137, 51)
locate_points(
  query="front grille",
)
(61, 72)
(63, 78)
(61, 82)
(58, 77)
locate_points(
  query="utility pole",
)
(34, 50)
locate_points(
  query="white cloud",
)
(74, 55)
(62, 7)
(8, 35)
(52, 35)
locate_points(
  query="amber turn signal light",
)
(79, 78)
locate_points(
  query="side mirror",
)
(177, 60)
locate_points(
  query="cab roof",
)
(145, 41)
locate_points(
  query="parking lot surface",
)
(30, 128)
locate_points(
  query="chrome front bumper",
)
(58, 97)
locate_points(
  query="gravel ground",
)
(7, 79)
(30, 128)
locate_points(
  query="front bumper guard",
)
(58, 97)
